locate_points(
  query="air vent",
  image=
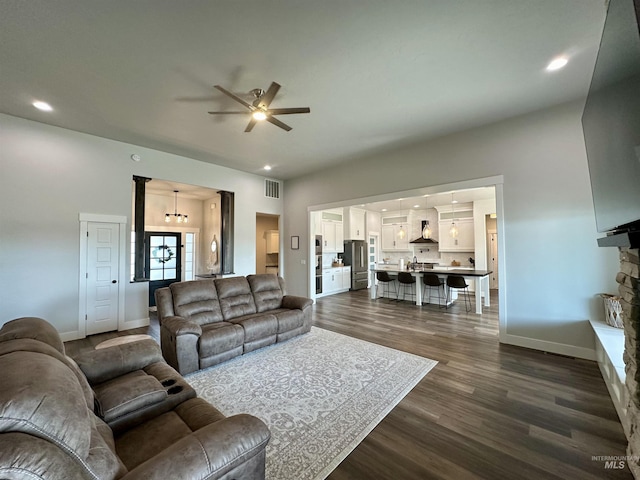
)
(271, 188)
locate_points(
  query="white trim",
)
(69, 336)
(609, 343)
(129, 324)
(96, 217)
(502, 263)
(85, 219)
(551, 347)
(416, 192)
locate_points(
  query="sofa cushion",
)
(220, 337)
(288, 319)
(235, 297)
(128, 393)
(196, 301)
(34, 328)
(41, 397)
(257, 326)
(267, 292)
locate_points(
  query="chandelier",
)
(178, 216)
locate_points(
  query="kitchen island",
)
(480, 277)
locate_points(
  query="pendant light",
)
(178, 216)
(426, 231)
(401, 233)
(453, 231)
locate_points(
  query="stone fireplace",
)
(629, 288)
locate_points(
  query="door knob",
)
(114, 281)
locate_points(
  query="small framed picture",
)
(295, 243)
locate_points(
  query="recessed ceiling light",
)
(557, 63)
(267, 167)
(416, 206)
(384, 209)
(454, 201)
(44, 106)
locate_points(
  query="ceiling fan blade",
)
(278, 123)
(288, 111)
(251, 124)
(235, 97)
(227, 113)
(268, 97)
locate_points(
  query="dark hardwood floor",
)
(486, 411)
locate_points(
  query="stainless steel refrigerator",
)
(355, 255)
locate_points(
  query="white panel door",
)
(102, 277)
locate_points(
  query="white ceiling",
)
(375, 73)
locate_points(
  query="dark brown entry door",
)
(163, 265)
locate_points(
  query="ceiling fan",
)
(259, 108)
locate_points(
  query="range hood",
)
(421, 239)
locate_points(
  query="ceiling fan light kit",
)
(259, 109)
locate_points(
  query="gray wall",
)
(553, 267)
(50, 175)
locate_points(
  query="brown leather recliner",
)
(119, 413)
(206, 322)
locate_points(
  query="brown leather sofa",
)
(206, 322)
(117, 413)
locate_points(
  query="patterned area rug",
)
(320, 394)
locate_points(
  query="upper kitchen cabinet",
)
(332, 231)
(273, 241)
(354, 223)
(395, 233)
(462, 216)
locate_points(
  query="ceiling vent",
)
(271, 188)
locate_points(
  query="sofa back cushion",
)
(34, 328)
(267, 292)
(41, 396)
(197, 301)
(235, 297)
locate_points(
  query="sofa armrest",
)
(104, 364)
(179, 340)
(211, 452)
(179, 326)
(295, 302)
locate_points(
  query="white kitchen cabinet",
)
(354, 223)
(464, 242)
(335, 280)
(273, 241)
(391, 240)
(346, 278)
(332, 237)
(392, 225)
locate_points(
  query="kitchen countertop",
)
(471, 271)
(481, 278)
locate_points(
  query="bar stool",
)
(431, 280)
(386, 281)
(406, 280)
(458, 282)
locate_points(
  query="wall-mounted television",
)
(611, 125)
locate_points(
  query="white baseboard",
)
(128, 325)
(69, 336)
(551, 347)
(75, 335)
